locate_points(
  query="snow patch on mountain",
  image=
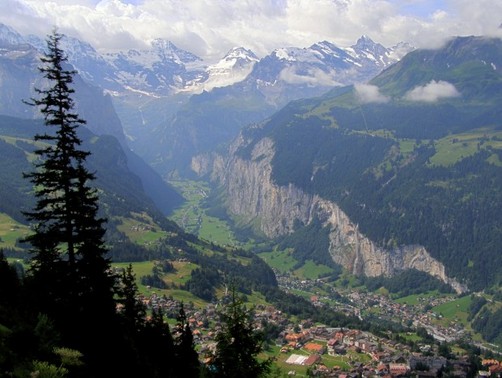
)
(9, 37)
(325, 65)
(163, 69)
(234, 67)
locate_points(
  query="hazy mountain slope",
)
(19, 76)
(122, 189)
(414, 159)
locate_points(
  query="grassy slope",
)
(455, 147)
(192, 217)
(10, 231)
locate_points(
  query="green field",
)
(312, 271)
(282, 260)
(10, 231)
(140, 268)
(415, 299)
(181, 274)
(188, 215)
(453, 148)
(179, 277)
(454, 311)
(407, 146)
(410, 336)
(215, 230)
(141, 229)
(192, 217)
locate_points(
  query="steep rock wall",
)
(253, 197)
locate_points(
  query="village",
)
(308, 349)
(355, 302)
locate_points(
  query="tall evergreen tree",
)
(133, 311)
(238, 344)
(69, 275)
(186, 357)
(158, 346)
(10, 286)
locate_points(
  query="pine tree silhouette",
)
(70, 274)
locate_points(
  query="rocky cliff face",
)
(273, 210)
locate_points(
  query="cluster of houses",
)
(419, 315)
(492, 368)
(317, 341)
(307, 344)
(142, 227)
(387, 358)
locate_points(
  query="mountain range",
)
(170, 95)
(165, 69)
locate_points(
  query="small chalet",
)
(397, 369)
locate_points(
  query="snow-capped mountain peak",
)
(9, 36)
(367, 50)
(285, 53)
(234, 67)
(166, 50)
(365, 42)
(238, 56)
(163, 69)
(327, 47)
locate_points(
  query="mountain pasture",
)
(11, 231)
(455, 147)
(141, 230)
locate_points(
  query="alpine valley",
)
(377, 168)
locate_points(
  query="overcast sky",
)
(209, 28)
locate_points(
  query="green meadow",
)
(10, 231)
(281, 260)
(192, 216)
(215, 230)
(454, 311)
(284, 262)
(312, 270)
(177, 279)
(416, 299)
(141, 230)
(453, 148)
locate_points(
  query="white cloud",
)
(210, 28)
(312, 77)
(369, 94)
(432, 92)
